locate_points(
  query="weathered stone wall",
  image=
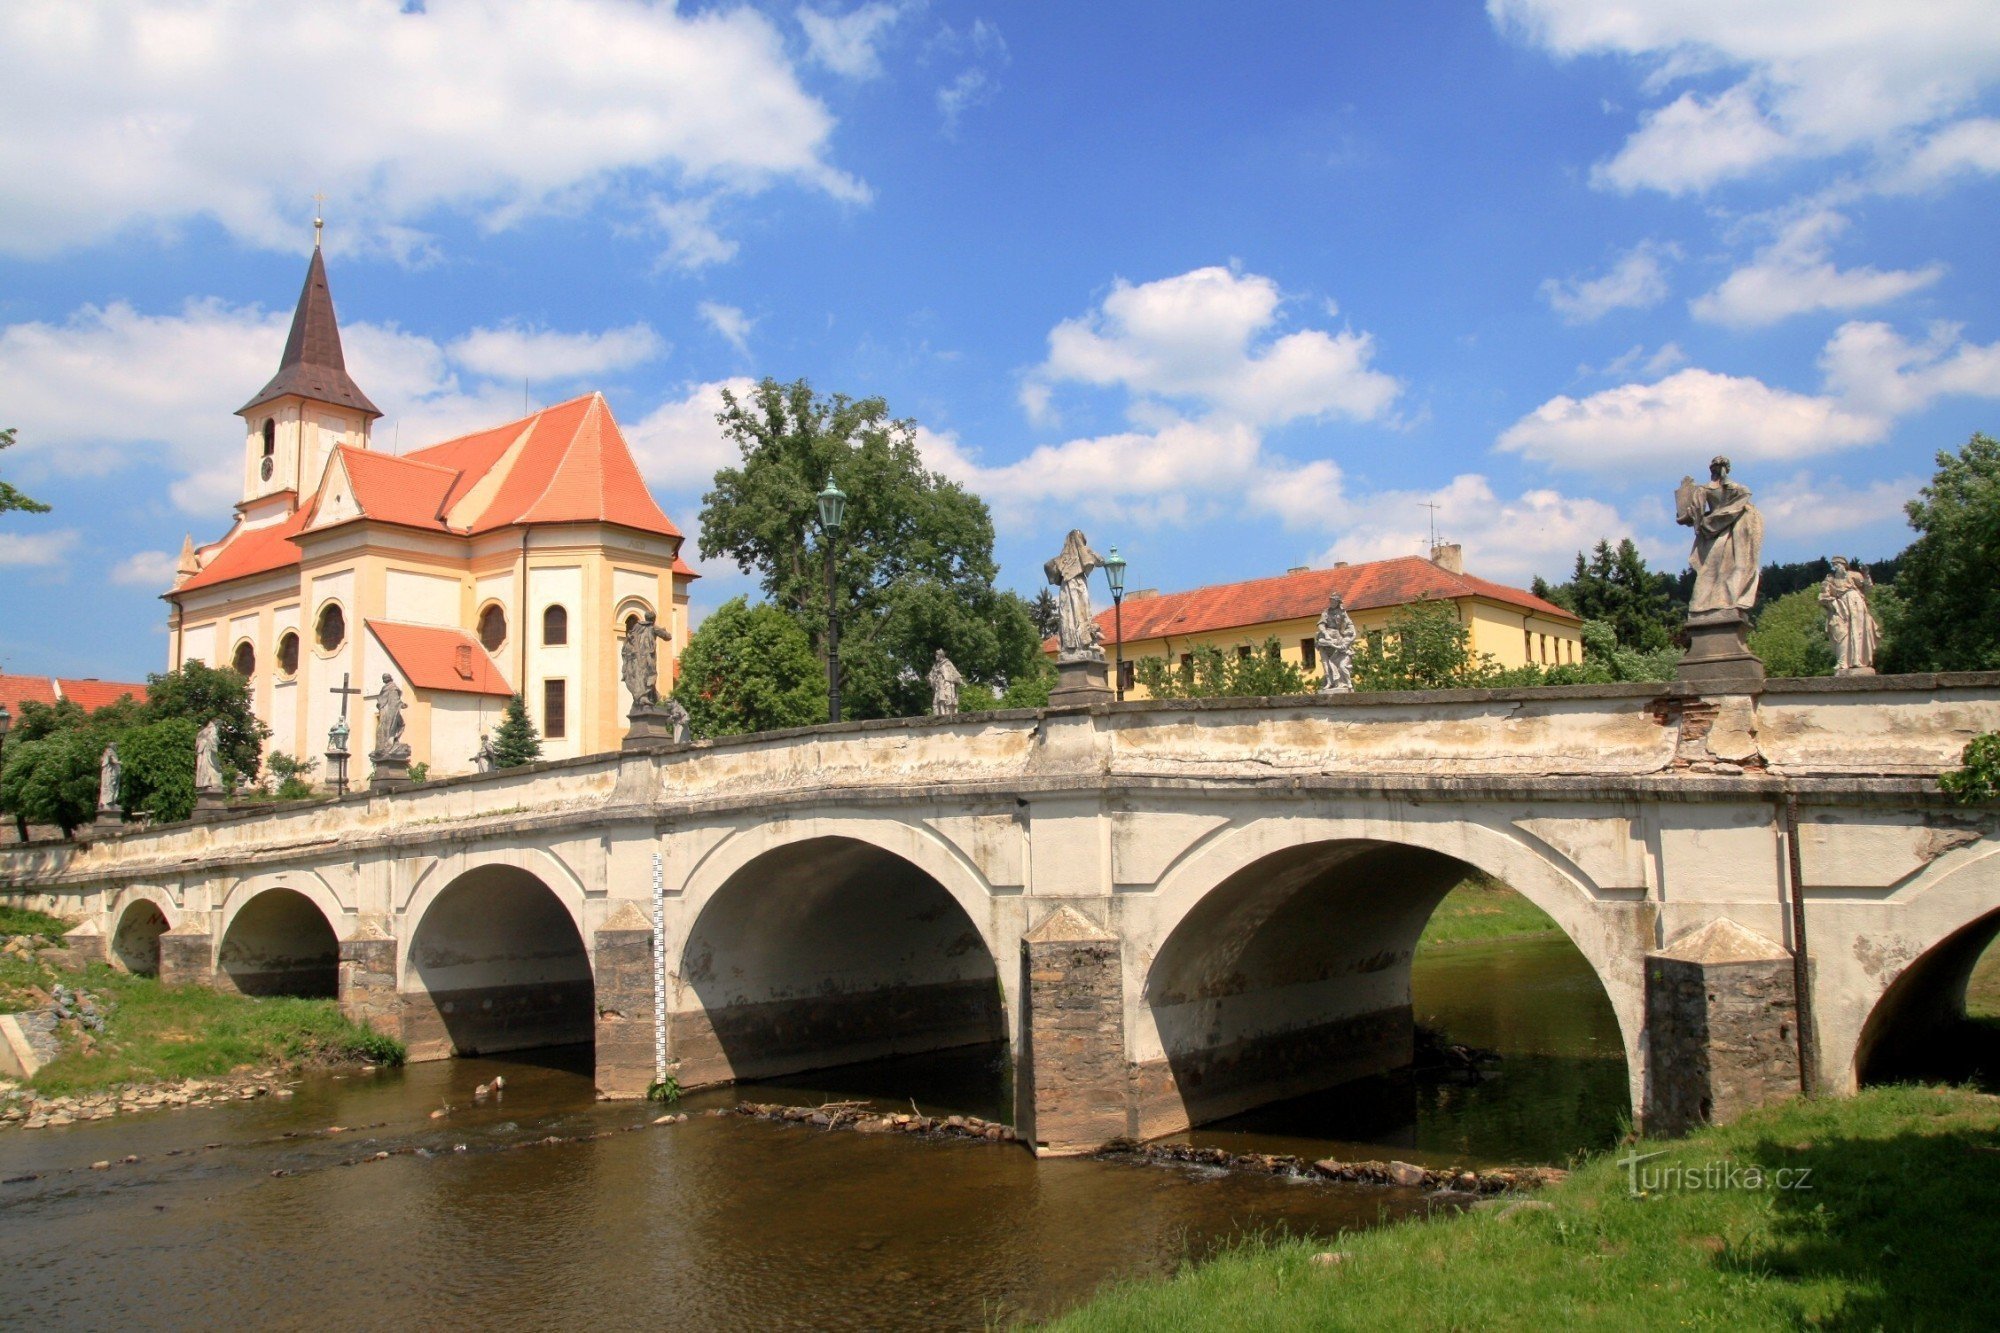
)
(1072, 1081)
(749, 1041)
(487, 1020)
(368, 994)
(623, 967)
(1722, 1029)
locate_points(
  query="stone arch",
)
(495, 961)
(138, 918)
(279, 940)
(555, 874)
(828, 942)
(308, 884)
(1911, 1017)
(1282, 949)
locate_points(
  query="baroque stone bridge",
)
(1171, 912)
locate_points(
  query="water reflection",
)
(728, 1222)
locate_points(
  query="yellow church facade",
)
(1511, 624)
(509, 560)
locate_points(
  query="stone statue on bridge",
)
(639, 659)
(389, 743)
(208, 758)
(1850, 623)
(1334, 640)
(110, 781)
(945, 681)
(680, 725)
(1728, 540)
(1077, 635)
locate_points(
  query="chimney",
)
(1299, 569)
(1340, 564)
(1136, 594)
(1450, 557)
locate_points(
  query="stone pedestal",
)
(1718, 654)
(187, 955)
(389, 772)
(109, 820)
(1083, 681)
(209, 803)
(368, 981)
(653, 725)
(1072, 1087)
(622, 966)
(1722, 1034)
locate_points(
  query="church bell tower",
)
(310, 406)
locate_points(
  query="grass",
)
(157, 1033)
(27, 921)
(1982, 993)
(1485, 909)
(1895, 1231)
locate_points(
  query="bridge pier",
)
(187, 954)
(1721, 1025)
(368, 993)
(622, 964)
(1072, 1085)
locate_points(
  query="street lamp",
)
(832, 510)
(336, 755)
(1114, 574)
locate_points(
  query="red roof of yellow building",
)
(563, 464)
(90, 694)
(1303, 596)
(432, 658)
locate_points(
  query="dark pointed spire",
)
(313, 366)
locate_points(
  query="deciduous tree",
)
(1949, 578)
(749, 668)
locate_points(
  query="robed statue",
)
(945, 681)
(110, 779)
(680, 723)
(1077, 635)
(1728, 540)
(1850, 623)
(639, 659)
(389, 720)
(1334, 639)
(208, 757)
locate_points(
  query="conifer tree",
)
(515, 741)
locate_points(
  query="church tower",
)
(310, 406)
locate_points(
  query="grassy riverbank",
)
(154, 1033)
(1893, 1230)
(1485, 909)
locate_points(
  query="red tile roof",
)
(89, 694)
(432, 658)
(1302, 596)
(564, 464)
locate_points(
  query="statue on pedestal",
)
(1334, 639)
(1728, 541)
(945, 681)
(680, 724)
(110, 780)
(1077, 635)
(389, 743)
(483, 759)
(639, 660)
(1850, 622)
(207, 757)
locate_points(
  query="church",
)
(502, 562)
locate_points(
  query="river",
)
(731, 1222)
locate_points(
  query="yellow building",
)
(1513, 625)
(510, 559)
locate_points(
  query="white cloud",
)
(1970, 146)
(730, 322)
(1812, 79)
(1803, 506)
(1794, 276)
(1204, 338)
(1638, 280)
(679, 447)
(156, 112)
(517, 353)
(693, 240)
(1636, 360)
(146, 569)
(1872, 366)
(1684, 419)
(977, 82)
(846, 43)
(37, 548)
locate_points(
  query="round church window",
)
(331, 630)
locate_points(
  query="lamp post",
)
(1114, 574)
(336, 755)
(832, 511)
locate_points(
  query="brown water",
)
(729, 1222)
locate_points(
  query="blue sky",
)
(1233, 288)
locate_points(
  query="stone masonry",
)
(1073, 1095)
(1722, 1026)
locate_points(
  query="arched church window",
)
(270, 463)
(493, 628)
(331, 629)
(288, 653)
(555, 627)
(245, 660)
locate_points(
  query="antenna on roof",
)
(1433, 507)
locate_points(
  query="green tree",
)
(515, 740)
(52, 779)
(159, 768)
(1045, 613)
(914, 562)
(1211, 673)
(1947, 577)
(1606, 660)
(749, 668)
(1615, 586)
(200, 694)
(11, 498)
(1790, 636)
(1425, 646)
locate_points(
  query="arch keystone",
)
(1721, 1024)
